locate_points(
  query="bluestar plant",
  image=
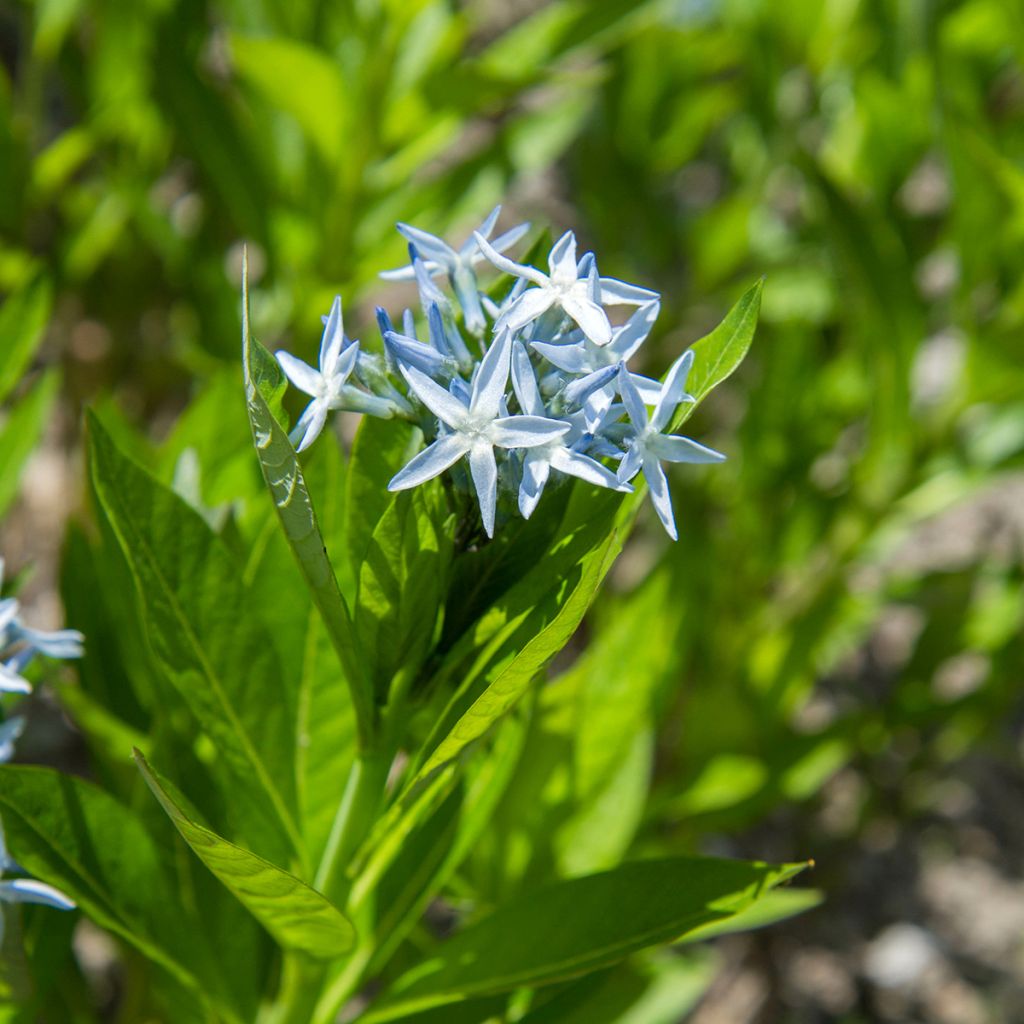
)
(19, 644)
(572, 400)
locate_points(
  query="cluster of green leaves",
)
(259, 655)
(866, 158)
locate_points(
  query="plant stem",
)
(357, 811)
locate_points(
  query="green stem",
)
(357, 812)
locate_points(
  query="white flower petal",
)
(484, 471)
(504, 263)
(430, 462)
(630, 464)
(591, 317)
(492, 378)
(571, 358)
(660, 497)
(633, 333)
(631, 399)
(673, 391)
(301, 374)
(530, 305)
(565, 460)
(525, 382)
(333, 339)
(675, 448)
(527, 431)
(615, 292)
(28, 890)
(536, 469)
(440, 402)
(562, 259)
(309, 425)
(430, 246)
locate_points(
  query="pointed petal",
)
(530, 305)
(504, 263)
(616, 292)
(309, 425)
(59, 643)
(442, 404)
(524, 381)
(672, 391)
(28, 890)
(333, 339)
(591, 317)
(464, 286)
(469, 247)
(405, 273)
(562, 259)
(571, 358)
(430, 462)
(301, 374)
(660, 497)
(578, 391)
(409, 324)
(630, 464)
(565, 460)
(9, 733)
(409, 352)
(536, 470)
(484, 471)
(631, 399)
(527, 431)
(430, 246)
(492, 377)
(633, 333)
(507, 239)
(675, 448)
(11, 681)
(648, 388)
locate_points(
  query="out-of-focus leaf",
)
(21, 432)
(298, 917)
(76, 837)
(23, 319)
(570, 928)
(302, 81)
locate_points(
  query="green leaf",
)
(402, 585)
(569, 928)
(380, 449)
(521, 653)
(212, 647)
(23, 319)
(74, 836)
(21, 433)
(303, 82)
(298, 917)
(284, 480)
(719, 353)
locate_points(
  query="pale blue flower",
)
(559, 453)
(19, 645)
(649, 446)
(439, 257)
(10, 730)
(562, 289)
(328, 386)
(475, 429)
(26, 890)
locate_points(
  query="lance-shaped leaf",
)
(298, 917)
(281, 471)
(21, 432)
(719, 353)
(23, 319)
(569, 928)
(212, 646)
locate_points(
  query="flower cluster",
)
(573, 408)
(19, 644)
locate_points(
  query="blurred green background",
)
(838, 631)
